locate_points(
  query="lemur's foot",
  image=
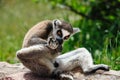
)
(62, 75)
(52, 43)
(103, 67)
(97, 67)
(66, 76)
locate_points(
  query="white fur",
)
(67, 76)
(30, 49)
(58, 22)
(55, 28)
(76, 30)
(79, 57)
(65, 33)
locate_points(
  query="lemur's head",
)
(63, 30)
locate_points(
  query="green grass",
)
(108, 56)
(17, 16)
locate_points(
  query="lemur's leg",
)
(79, 57)
(39, 58)
(32, 52)
(94, 68)
(37, 50)
(32, 57)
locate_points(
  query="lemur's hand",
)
(52, 43)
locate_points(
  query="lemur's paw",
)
(56, 73)
(52, 43)
(66, 76)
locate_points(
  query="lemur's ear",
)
(75, 30)
(56, 22)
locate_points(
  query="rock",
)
(19, 72)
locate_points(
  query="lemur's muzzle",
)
(60, 41)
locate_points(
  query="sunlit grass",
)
(109, 55)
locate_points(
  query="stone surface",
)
(19, 72)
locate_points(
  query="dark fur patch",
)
(99, 68)
(66, 26)
(56, 64)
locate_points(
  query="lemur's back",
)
(40, 30)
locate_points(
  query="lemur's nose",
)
(60, 41)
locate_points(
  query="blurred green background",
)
(99, 21)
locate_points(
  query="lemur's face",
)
(62, 31)
(61, 35)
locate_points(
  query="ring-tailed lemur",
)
(42, 46)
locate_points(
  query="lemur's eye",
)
(66, 37)
(59, 33)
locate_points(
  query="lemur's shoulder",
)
(43, 25)
(41, 30)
